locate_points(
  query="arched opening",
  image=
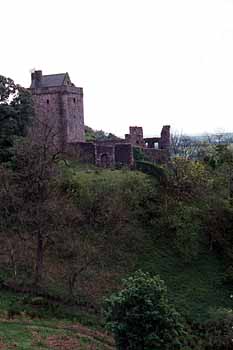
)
(104, 160)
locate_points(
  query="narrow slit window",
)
(47, 102)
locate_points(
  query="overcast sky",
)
(140, 62)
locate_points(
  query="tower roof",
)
(51, 80)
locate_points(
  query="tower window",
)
(47, 102)
(74, 100)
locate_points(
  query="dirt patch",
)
(3, 346)
(102, 337)
(62, 342)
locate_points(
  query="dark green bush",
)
(141, 317)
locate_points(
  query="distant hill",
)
(213, 138)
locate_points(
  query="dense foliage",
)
(15, 114)
(141, 317)
(98, 135)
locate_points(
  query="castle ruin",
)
(59, 104)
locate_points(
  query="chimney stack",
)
(36, 77)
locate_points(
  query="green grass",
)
(35, 335)
(195, 287)
(76, 166)
(21, 331)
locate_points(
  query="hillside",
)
(98, 226)
(196, 286)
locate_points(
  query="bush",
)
(141, 317)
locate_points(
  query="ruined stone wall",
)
(110, 142)
(108, 156)
(165, 140)
(159, 156)
(150, 142)
(84, 152)
(101, 155)
(124, 154)
(105, 155)
(135, 136)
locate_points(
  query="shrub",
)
(141, 317)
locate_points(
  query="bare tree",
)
(184, 146)
(29, 189)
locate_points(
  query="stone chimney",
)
(36, 77)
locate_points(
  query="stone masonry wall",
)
(85, 152)
(105, 155)
(124, 155)
(100, 155)
(165, 139)
(159, 156)
(135, 136)
(47, 109)
(75, 118)
(62, 109)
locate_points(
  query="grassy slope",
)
(23, 332)
(196, 288)
(25, 335)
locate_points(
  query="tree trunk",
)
(231, 187)
(72, 281)
(39, 258)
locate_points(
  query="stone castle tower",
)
(59, 104)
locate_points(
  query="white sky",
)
(140, 62)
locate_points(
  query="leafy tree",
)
(188, 179)
(141, 317)
(221, 162)
(92, 135)
(15, 114)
